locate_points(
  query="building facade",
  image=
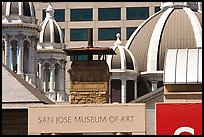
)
(106, 19)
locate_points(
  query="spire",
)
(50, 12)
(118, 42)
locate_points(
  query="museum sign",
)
(86, 118)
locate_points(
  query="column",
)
(154, 85)
(7, 52)
(11, 57)
(3, 53)
(123, 91)
(41, 75)
(135, 84)
(44, 79)
(20, 57)
(62, 81)
(109, 85)
(52, 77)
(30, 65)
(33, 58)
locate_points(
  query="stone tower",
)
(51, 58)
(89, 77)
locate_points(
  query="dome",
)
(22, 11)
(51, 31)
(123, 59)
(176, 25)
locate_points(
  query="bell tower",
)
(19, 39)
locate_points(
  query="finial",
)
(118, 42)
(118, 35)
(50, 11)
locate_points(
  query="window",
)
(129, 31)
(79, 34)
(59, 15)
(137, 13)
(63, 31)
(108, 33)
(109, 14)
(156, 9)
(115, 90)
(81, 14)
(79, 57)
(130, 88)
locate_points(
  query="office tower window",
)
(108, 33)
(156, 9)
(137, 13)
(79, 34)
(59, 15)
(129, 31)
(81, 14)
(109, 14)
(63, 31)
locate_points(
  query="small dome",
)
(123, 60)
(51, 31)
(17, 10)
(177, 25)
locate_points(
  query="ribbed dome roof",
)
(123, 60)
(51, 31)
(175, 26)
(12, 10)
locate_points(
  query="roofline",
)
(36, 92)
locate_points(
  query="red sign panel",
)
(179, 119)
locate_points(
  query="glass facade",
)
(79, 34)
(137, 13)
(59, 15)
(108, 33)
(129, 31)
(81, 14)
(109, 14)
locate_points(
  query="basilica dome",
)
(123, 60)
(51, 31)
(176, 25)
(23, 12)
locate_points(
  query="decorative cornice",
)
(21, 25)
